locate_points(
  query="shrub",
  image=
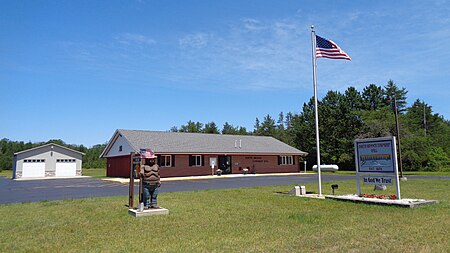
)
(438, 159)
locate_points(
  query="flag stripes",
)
(328, 49)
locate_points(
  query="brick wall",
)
(262, 164)
(182, 168)
(120, 166)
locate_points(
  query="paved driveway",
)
(16, 191)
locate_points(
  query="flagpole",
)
(313, 39)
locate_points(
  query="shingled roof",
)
(191, 143)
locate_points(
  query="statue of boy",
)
(151, 181)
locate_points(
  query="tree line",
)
(90, 159)
(343, 117)
(353, 114)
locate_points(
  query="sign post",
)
(376, 162)
(130, 184)
(141, 194)
(134, 171)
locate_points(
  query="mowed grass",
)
(94, 172)
(233, 220)
(6, 173)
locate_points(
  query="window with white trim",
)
(286, 160)
(196, 160)
(165, 161)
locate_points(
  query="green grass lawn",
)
(6, 173)
(233, 220)
(94, 172)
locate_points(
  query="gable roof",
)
(46, 145)
(199, 143)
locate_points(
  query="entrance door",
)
(225, 164)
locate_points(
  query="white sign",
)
(375, 156)
(376, 162)
(377, 180)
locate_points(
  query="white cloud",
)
(132, 38)
(196, 40)
(251, 24)
(263, 55)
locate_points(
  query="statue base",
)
(149, 212)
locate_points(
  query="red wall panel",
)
(120, 166)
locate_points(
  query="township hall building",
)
(193, 154)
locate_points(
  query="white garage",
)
(50, 160)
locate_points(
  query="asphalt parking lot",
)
(17, 191)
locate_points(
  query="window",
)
(34, 161)
(165, 161)
(65, 160)
(285, 160)
(195, 160)
(120, 148)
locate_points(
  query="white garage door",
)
(66, 168)
(33, 168)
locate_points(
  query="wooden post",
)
(131, 184)
(141, 196)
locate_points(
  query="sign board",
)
(375, 156)
(136, 160)
(377, 180)
(136, 165)
(376, 162)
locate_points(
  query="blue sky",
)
(78, 70)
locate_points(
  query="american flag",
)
(328, 49)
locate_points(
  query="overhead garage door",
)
(33, 168)
(66, 168)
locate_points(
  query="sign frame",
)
(386, 168)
